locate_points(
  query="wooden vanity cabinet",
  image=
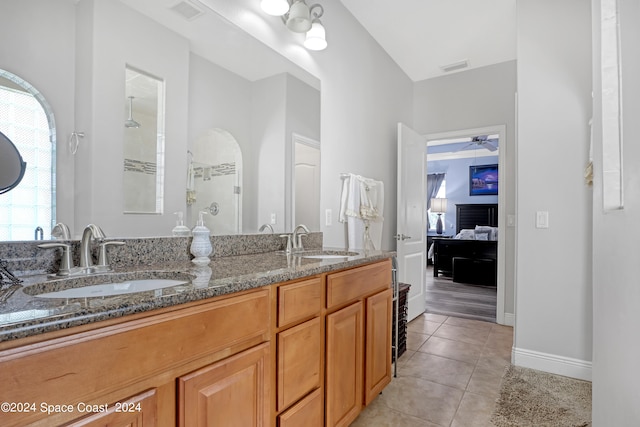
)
(299, 361)
(358, 340)
(232, 392)
(223, 340)
(310, 352)
(137, 411)
(344, 365)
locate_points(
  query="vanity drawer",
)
(309, 412)
(299, 361)
(297, 301)
(349, 285)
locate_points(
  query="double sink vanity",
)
(257, 337)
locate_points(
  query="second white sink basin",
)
(325, 256)
(111, 289)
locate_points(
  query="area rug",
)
(533, 398)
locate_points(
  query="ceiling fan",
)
(482, 141)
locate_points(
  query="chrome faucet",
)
(297, 237)
(90, 232)
(86, 267)
(61, 231)
(266, 227)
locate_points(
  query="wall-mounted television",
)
(483, 180)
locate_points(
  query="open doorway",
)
(467, 278)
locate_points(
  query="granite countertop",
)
(22, 314)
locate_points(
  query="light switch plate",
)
(542, 219)
(327, 217)
(273, 218)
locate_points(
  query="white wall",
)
(475, 99)
(616, 294)
(364, 95)
(269, 135)
(553, 276)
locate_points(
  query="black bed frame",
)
(469, 261)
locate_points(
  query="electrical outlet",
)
(327, 217)
(273, 218)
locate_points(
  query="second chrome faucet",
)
(294, 240)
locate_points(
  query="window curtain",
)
(434, 181)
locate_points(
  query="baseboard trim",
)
(509, 319)
(566, 366)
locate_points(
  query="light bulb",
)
(316, 36)
(275, 7)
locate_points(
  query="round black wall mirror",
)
(12, 166)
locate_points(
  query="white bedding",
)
(481, 232)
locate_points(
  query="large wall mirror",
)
(217, 80)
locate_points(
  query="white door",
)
(412, 210)
(306, 204)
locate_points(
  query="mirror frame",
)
(23, 165)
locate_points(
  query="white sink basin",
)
(111, 289)
(325, 256)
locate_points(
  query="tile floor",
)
(448, 377)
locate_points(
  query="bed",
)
(471, 256)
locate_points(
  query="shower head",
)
(130, 123)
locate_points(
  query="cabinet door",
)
(299, 359)
(138, 411)
(344, 365)
(377, 355)
(232, 392)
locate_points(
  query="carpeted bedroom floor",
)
(452, 376)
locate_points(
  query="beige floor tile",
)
(469, 323)
(474, 411)
(503, 354)
(423, 399)
(492, 363)
(502, 329)
(458, 333)
(501, 340)
(379, 415)
(423, 327)
(485, 381)
(441, 370)
(405, 357)
(457, 350)
(415, 340)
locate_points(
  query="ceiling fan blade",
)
(464, 147)
(489, 146)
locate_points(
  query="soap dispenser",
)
(180, 229)
(201, 243)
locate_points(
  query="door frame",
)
(501, 130)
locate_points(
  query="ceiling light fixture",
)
(300, 18)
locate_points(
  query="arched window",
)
(27, 120)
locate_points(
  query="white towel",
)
(361, 207)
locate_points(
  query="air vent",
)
(187, 10)
(455, 66)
